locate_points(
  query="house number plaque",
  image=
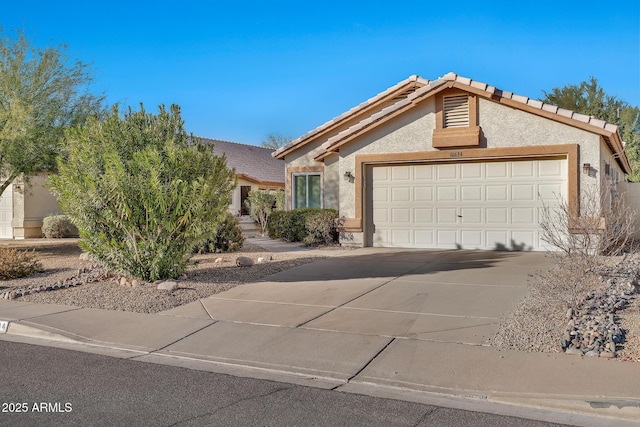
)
(455, 154)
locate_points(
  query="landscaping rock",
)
(168, 286)
(84, 256)
(218, 260)
(135, 283)
(244, 261)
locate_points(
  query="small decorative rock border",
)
(93, 273)
(592, 330)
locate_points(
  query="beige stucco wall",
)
(234, 206)
(31, 203)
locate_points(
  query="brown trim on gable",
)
(257, 181)
(570, 151)
(289, 179)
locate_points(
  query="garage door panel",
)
(475, 205)
(423, 216)
(523, 216)
(447, 215)
(423, 238)
(471, 193)
(472, 239)
(497, 193)
(523, 169)
(447, 193)
(471, 216)
(423, 172)
(423, 194)
(496, 170)
(550, 168)
(401, 215)
(401, 173)
(496, 216)
(400, 237)
(550, 192)
(447, 171)
(446, 238)
(495, 238)
(380, 195)
(471, 170)
(524, 240)
(401, 194)
(523, 192)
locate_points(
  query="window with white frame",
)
(307, 190)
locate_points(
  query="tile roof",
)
(425, 88)
(250, 161)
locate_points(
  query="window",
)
(307, 191)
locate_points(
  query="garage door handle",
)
(459, 216)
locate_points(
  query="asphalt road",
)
(50, 386)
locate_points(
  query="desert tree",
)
(42, 93)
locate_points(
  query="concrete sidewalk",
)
(405, 324)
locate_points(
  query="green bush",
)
(228, 237)
(57, 226)
(321, 227)
(141, 191)
(15, 263)
(309, 225)
(277, 226)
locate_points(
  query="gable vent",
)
(456, 111)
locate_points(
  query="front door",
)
(244, 195)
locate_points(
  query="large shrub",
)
(228, 237)
(15, 263)
(142, 193)
(310, 225)
(57, 226)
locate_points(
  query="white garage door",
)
(6, 213)
(483, 205)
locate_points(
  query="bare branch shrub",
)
(579, 242)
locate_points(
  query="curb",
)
(572, 410)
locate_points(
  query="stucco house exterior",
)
(450, 163)
(23, 206)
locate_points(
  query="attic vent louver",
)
(456, 111)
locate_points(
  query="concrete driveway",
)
(447, 296)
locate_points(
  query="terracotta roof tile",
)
(250, 160)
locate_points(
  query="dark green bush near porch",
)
(313, 226)
(228, 237)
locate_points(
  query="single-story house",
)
(23, 206)
(450, 163)
(256, 169)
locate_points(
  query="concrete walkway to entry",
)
(408, 324)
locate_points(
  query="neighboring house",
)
(255, 167)
(450, 163)
(24, 206)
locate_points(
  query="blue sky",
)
(240, 70)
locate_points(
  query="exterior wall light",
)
(586, 168)
(348, 176)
